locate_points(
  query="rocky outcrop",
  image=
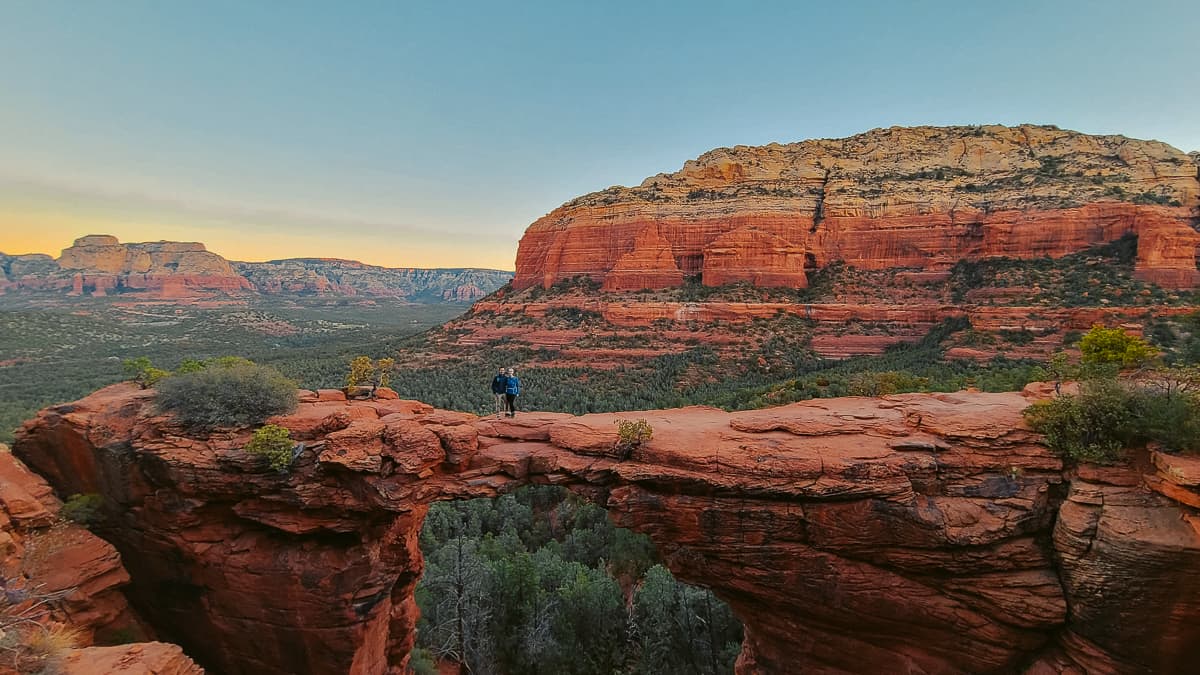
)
(99, 265)
(756, 257)
(53, 570)
(149, 658)
(922, 197)
(917, 533)
(649, 264)
(102, 254)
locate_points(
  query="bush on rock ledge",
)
(235, 394)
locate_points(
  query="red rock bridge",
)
(924, 533)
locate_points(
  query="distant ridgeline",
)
(99, 265)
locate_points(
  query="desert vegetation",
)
(274, 444)
(30, 641)
(52, 355)
(1127, 398)
(541, 582)
(227, 392)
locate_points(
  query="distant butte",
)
(99, 265)
(919, 197)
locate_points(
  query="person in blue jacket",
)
(511, 391)
(499, 386)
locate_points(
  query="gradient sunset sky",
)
(432, 133)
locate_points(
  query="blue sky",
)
(432, 134)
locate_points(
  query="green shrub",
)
(421, 662)
(885, 383)
(1173, 421)
(1017, 337)
(83, 509)
(631, 434)
(275, 444)
(365, 371)
(1091, 427)
(362, 369)
(227, 393)
(190, 366)
(1113, 346)
(1109, 415)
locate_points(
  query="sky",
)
(432, 134)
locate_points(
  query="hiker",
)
(511, 391)
(499, 386)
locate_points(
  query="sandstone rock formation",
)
(722, 325)
(922, 197)
(42, 555)
(99, 265)
(649, 264)
(103, 254)
(754, 256)
(924, 533)
(148, 658)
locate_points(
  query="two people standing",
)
(506, 387)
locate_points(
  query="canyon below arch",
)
(927, 533)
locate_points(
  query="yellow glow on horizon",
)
(39, 231)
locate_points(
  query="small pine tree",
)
(362, 368)
(383, 371)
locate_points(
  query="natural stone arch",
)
(916, 532)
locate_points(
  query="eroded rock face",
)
(149, 658)
(921, 197)
(42, 555)
(918, 533)
(104, 255)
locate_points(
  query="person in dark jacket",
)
(499, 387)
(511, 391)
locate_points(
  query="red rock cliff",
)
(900, 197)
(43, 554)
(915, 533)
(57, 575)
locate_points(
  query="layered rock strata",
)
(901, 197)
(99, 265)
(918, 533)
(721, 325)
